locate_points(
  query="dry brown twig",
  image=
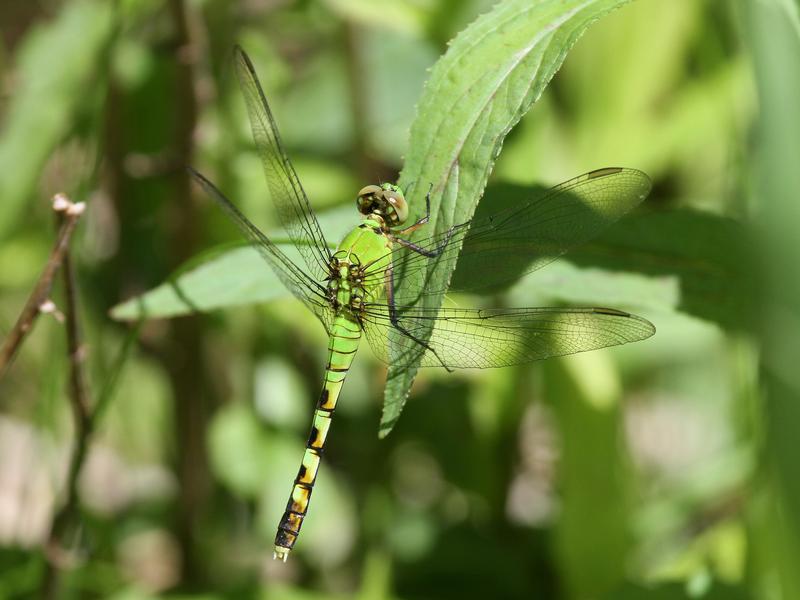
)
(59, 558)
(82, 411)
(39, 302)
(61, 547)
(59, 555)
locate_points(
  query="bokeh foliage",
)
(659, 470)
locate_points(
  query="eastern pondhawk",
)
(352, 289)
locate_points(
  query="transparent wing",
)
(285, 190)
(499, 248)
(480, 339)
(305, 288)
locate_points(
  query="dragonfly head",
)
(386, 201)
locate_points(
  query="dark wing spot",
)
(603, 172)
(611, 311)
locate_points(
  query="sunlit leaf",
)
(593, 476)
(708, 255)
(223, 277)
(491, 75)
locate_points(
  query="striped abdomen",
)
(342, 346)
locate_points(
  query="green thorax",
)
(366, 247)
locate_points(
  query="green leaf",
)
(774, 35)
(695, 262)
(564, 283)
(491, 75)
(594, 476)
(222, 277)
(215, 279)
(55, 65)
(708, 255)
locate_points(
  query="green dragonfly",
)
(352, 289)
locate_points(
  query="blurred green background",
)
(664, 469)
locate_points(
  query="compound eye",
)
(399, 204)
(369, 190)
(368, 198)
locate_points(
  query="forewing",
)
(480, 339)
(302, 286)
(288, 197)
(498, 249)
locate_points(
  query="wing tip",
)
(199, 177)
(242, 59)
(647, 183)
(649, 328)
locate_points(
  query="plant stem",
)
(86, 424)
(79, 400)
(79, 394)
(80, 403)
(184, 357)
(40, 292)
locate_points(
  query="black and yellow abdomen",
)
(365, 245)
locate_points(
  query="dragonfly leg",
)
(395, 319)
(424, 219)
(424, 251)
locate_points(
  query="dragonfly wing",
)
(473, 338)
(305, 288)
(287, 194)
(499, 248)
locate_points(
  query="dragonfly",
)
(353, 288)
